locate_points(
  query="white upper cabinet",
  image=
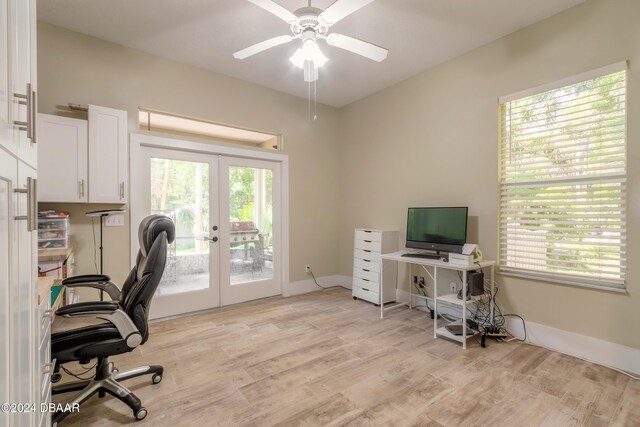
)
(84, 161)
(63, 159)
(7, 139)
(20, 377)
(107, 155)
(24, 79)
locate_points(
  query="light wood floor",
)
(324, 359)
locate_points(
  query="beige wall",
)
(430, 140)
(80, 69)
(433, 140)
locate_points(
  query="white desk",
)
(435, 265)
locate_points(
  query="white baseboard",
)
(581, 346)
(305, 286)
(584, 347)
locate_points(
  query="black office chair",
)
(126, 325)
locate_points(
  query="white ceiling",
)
(418, 33)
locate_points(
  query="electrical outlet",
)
(307, 269)
(115, 220)
(415, 279)
(453, 288)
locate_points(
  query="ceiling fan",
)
(311, 24)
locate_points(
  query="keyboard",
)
(427, 256)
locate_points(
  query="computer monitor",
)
(438, 229)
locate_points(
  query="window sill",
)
(618, 289)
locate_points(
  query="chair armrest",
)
(85, 278)
(96, 281)
(88, 307)
(108, 311)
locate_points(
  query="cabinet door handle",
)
(28, 101)
(34, 108)
(32, 203)
(81, 188)
(49, 367)
(122, 190)
(32, 207)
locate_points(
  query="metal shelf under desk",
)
(431, 266)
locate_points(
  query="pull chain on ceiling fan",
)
(311, 24)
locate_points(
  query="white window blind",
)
(562, 183)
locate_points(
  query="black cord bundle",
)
(81, 373)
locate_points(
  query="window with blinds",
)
(562, 181)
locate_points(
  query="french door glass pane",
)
(180, 190)
(251, 224)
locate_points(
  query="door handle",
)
(204, 237)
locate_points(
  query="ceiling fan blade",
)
(259, 47)
(276, 9)
(366, 49)
(341, 9)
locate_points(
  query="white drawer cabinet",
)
(367, 266)
(44, 364)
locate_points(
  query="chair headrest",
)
(151, 227)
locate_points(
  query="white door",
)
(183, 186)
(7, 139)
(24, 77)
(251, 229)
(8, 178)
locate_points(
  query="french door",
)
(227, 213)
(184, 187)
(250, 229)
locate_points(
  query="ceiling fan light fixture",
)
(310, 51)
(297, 59)
(309, 24)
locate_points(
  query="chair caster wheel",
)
(355, 298)
(156, 378)
(56, 377)
(140, 414)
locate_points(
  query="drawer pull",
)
(366, 260)
(367, 231)
(48, 368)
(367, 250)
(366, 280)
(367, 241)
(365, 289)
(364, 269)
